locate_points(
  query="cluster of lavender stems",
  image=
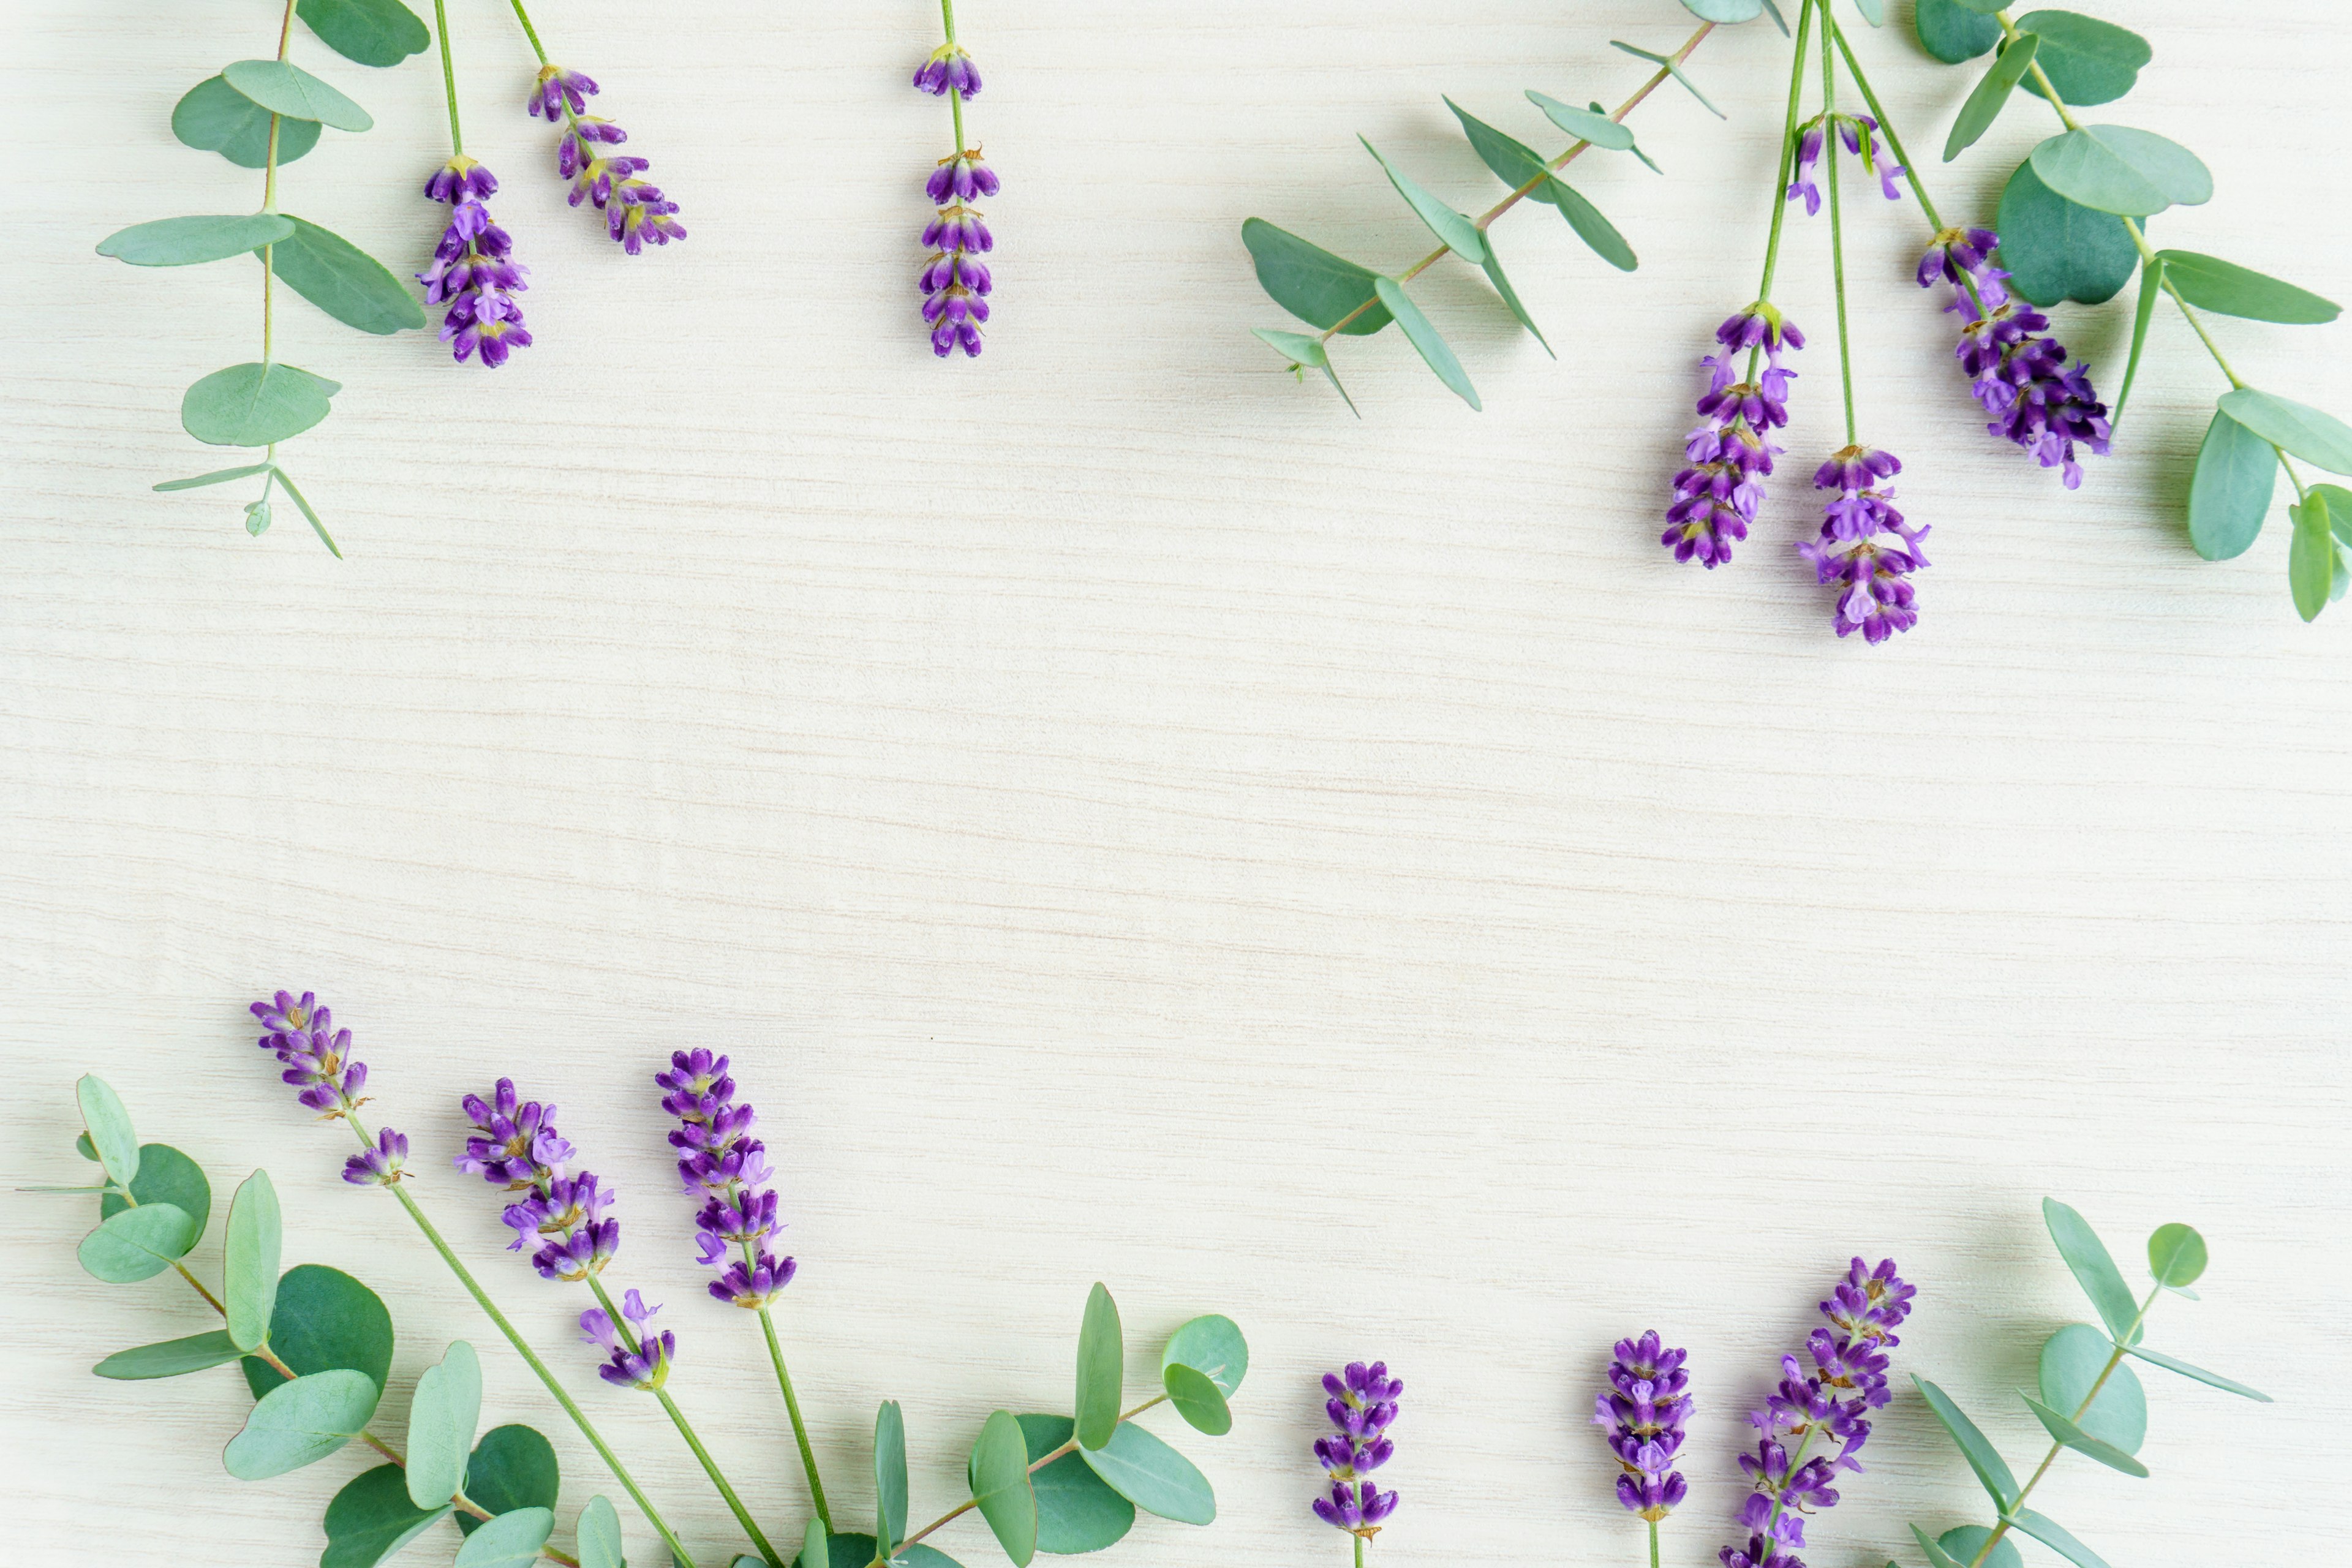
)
(316, 1060)
(1826, 1404)
(720, 1162)
(1361, 1404)
(955, 281)
(1643, 1409)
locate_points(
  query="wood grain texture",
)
(1131, 821)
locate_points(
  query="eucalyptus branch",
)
(1036, 1464)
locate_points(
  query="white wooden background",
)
(1130, 820)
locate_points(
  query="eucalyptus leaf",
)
(2176, 1255)
(1302, 350)
(1667, 64)
(165, 1176)
(255, 404)
(1584, 124)
(2087, 1255)
(1310, 282)
(854, 1551)
(290, 91)
(1593, 229)
(324, 1319)
(1984, 104)
(1424, 339)
(1962, 1544)
(2088, 60)
(889, 1474)
(187, 241)
(2210, 283)
(2048, 1531)
(107, 1125)
(2073, 1362)
(217, 476)
(598, 1535)
(1459, 233)
(2151, 285)
(303, 501)
(1512, 160)
(1198, 1400)
(1076, 1512)
(1937, 1556)
(2064, 1431)
(138, 1244)
(1211, 1344)
(513, 1467)
(372, 32)
(1951, 32)
(1102, 1358)
(371, 1518)
(2229, 492)
(250, 1260)
(1152, 1475)
(1872, 11)
(1493, 268)
(344, 280)
(301, 1422)
(172, 1358)
(214, 117)
(2056, 249)
(1724, 11)
(816, 1547)
(1986, 7)
(510, 1541)
(84, 1148)
(2296, 428)
(2213, 1379)
(441, 1420)
(2311, 557)
(2122, 170)
(2339, 518)
(1982, 1456)
(999, 1473)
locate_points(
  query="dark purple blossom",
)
(636, 212)
(473, 270)
(1855, 130)
(380, 1166)
(514, 1146)
(2018, 373)
(954, 281)
(514, 1143)
(633, 1358)
(721, 1162)
(1643, 1409)
(1362, 1404)
(558, 90)
(1729, 456)
(948, 69)
(317, 1056)
(1864, 546)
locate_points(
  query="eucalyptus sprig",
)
(2072, 226)
(2088, 1400)
(259, 114)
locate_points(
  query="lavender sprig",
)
(473, 272)
(2017, 372)
(637, 213)
(722, 1163)
(1643, 1409)
(1361, 1406)
(955, 281)
(1865, 545)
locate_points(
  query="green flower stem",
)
(1034, 1466)
(791, 1404)
(685, 1430)
(1517, 197)
(448, 76)
(1788, 156)
(1653, 1543)
(955, 98)
(1360, 1546)
(2001, 1528)
(269, 198)
(529, 31)
(1837, 222)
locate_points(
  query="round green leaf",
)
(854, 1551)
(1963, 1544)
(186, 241)
(1310, 282)
(171, 1358)
(1198, 1400)
(1951, 32)
(2176, 1255)
(250, 1260)
(1584, 124)
(372, 1518)
(301, 1422)
(291, 91)
(1212, 1345)
(372, 32)
(254, 405)
(165, 1176)
(2229, 492)
(2210, 283)
(509, 1540)
(2122, 170)
(598, 1534)
(441, 1425)
(214, 117)
(344, 280)
(109, 1128)
(2056, 249)
(890, 1473)
(138, 1244)
(1102, 1360)
(2306, 431)
(512, 1467)
(1152, 1475)
(1726, 11)
(2072, 1361)
(2093, 1268)
(1076, 1512)
(2088, 60)
(999, 1473)
(324, 1319)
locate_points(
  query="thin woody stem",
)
(1837, 222)
(1034, 1466)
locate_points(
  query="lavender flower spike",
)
(636, 212)
(1362, 1404)
(1643, 1407)
(319, 1062)
(954, 280)
(1717, 492)
(724, 1164)
(1825, 1404)
(473, 272)
(2017, 370)
(1865, 545)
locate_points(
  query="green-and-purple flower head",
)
(1361, 1405)
(473, 271)
(722, 1163)
(1864, 546)
(319, 1062)
(1643, 1409)
(636, 212)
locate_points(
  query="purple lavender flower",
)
(319, 1062)
(721, 1162)
(954, 282)
(1643, 1407)
(1362, 1404)
(948, 69)
(1806, 186)
(2018, 373)
(633, 1358)
(1855, 130)
(1729, 456)
(514, 1143)
(472, 271)
(380, 1166)
(1830, 1402)
(636, 212)
(558, 90)
(1865, 545)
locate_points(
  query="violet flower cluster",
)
(1864, 545)
(473, 270)
(1857, 131)
(636, 212)
(1729, 455)
(318, 1061)
(1362, 1404)
(724, 1164)
(955, 281)
(1643, 1408)
(1829, 1401)
(515, 1146)
(2017, 370)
